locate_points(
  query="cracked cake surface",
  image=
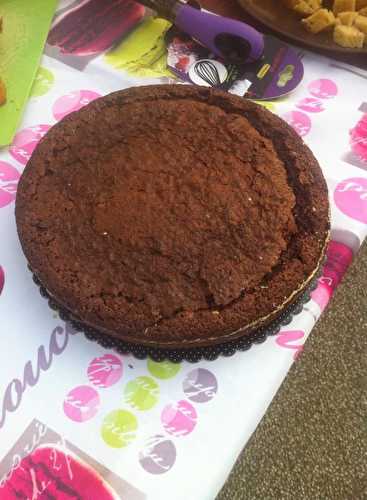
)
(173, 215)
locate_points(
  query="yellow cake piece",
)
(347, 18)
(304, 7)
(360, 4)
(315, 4)
(321, 20)
(344, 6)
(348, 36)
(361, 24)
(363, 12)
(307, 7)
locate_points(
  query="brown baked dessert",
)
(173, 215)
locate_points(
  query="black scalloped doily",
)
(192, 355)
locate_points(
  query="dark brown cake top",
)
(141, 208)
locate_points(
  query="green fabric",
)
(25, 28)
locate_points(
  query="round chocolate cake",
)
(173, 216)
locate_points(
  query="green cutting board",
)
(25, 27)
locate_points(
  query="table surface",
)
(312, 442)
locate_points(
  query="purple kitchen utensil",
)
(260, 67)
(276, 74)
(231, 40)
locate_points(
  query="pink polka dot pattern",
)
(339, 258)
(200, 385)
(322, 294)
(288, 339)
(299, 121)
(350, 197)
(311, 105)
(158, 455)
(179, 419)
(73, 102)
(81, 403)
(9, 177)
(323, 88)
(358, 138)
(26, 141)
(105, 371)
(2, 279)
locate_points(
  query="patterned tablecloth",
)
(71, 412)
